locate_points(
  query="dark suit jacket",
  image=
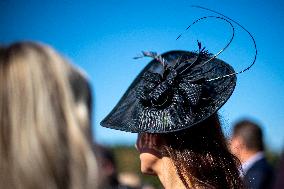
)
(279, 182)
(259, 176)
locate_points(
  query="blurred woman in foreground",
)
(42, 140)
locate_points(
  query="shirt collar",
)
(249, 163)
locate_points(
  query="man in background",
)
(247, 145)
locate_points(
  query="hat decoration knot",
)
(172, 91)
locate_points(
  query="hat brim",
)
(124, 115)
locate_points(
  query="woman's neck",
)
(168, 175)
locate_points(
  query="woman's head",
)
(199, 155)
(81, 90)
(42, 142)
(178, 93)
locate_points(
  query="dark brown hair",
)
(200, 154)
(250, 133)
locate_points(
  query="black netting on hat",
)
(175, 96)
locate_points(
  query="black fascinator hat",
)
(173, 96)
(175, 91)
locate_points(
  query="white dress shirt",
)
(249, 163)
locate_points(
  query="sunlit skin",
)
(154, 163)
(239, 149)
(147, 145)
(236, 146)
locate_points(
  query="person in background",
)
(247, 144)
(279, 181)
(130, 179)
(148, 186)
(43, 143)
(109, 176)
(82, 94)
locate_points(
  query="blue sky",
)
(103, 36)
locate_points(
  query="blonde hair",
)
(42, 144)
